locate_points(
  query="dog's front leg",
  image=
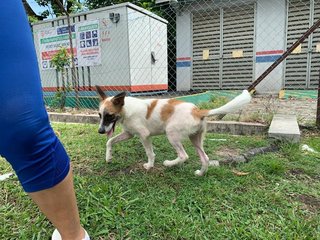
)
(149, 151)
(118, 138)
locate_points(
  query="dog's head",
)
(109, 111)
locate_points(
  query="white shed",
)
(121, 48)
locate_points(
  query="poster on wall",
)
(51, 40)
(88, 44)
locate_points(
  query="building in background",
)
(121, 48)
(228, 44)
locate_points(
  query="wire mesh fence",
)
(181, 47)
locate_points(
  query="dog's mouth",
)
(108, 124)
(111, 131)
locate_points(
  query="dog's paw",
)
(167, 163)
(214, 163)
(199, 173)
(147, 166)
(108, 158)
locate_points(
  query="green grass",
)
(278, 199)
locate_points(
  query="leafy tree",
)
(33, 19)
(93, 4)
(60, 61)
(71, 6)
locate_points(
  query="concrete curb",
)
(237, 128)
(232, 127)
(73, 118)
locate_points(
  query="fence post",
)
(318, 105)
(73, 66)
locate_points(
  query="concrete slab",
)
(237, 128)
(284, 127)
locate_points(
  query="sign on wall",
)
(85, 42)
(88, 44)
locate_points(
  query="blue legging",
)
(27, 140)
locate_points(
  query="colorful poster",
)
(51, 40)
(88, 44)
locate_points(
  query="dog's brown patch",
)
(112, 109)
(151, 108)
(168, 109)
(174, 101)
(199, 114)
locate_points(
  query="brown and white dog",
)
(149, 117)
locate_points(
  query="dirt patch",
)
(127, 170)
(311, 203)
(296, 172)
(300, 174)
(225, 152)
(134, 168)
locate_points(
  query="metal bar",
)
(318, 105)
(284, 55)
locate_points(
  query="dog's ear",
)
(101, 93)
(118, 100)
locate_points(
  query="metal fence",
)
(181, 47)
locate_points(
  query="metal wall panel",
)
(223, 31)
(296, 76)
(238, 35)
(206, 36)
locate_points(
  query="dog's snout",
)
(101, 130)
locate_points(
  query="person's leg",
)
(27, 140)
(59, 205)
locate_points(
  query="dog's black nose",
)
(101, 130)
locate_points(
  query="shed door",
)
(224, 69)
(302, 67)
(297, 63)
(238, 42)
(206, 37)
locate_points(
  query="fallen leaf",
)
(238, 173)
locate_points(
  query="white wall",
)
(139, 47)
(270, 36)
(159, 45)
(114, 68)
(184, 51)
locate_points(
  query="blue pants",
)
(27, 140)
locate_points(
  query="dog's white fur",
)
(149, 117)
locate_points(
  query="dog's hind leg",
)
(175, 141)
(118, 138)
(197, 141)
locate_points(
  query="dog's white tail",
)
(235, 104)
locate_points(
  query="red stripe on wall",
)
(135, 88)
(270, 52)
(141, 88)
(184, 59)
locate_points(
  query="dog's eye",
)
(109, 117)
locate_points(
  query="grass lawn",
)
(278, 199)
